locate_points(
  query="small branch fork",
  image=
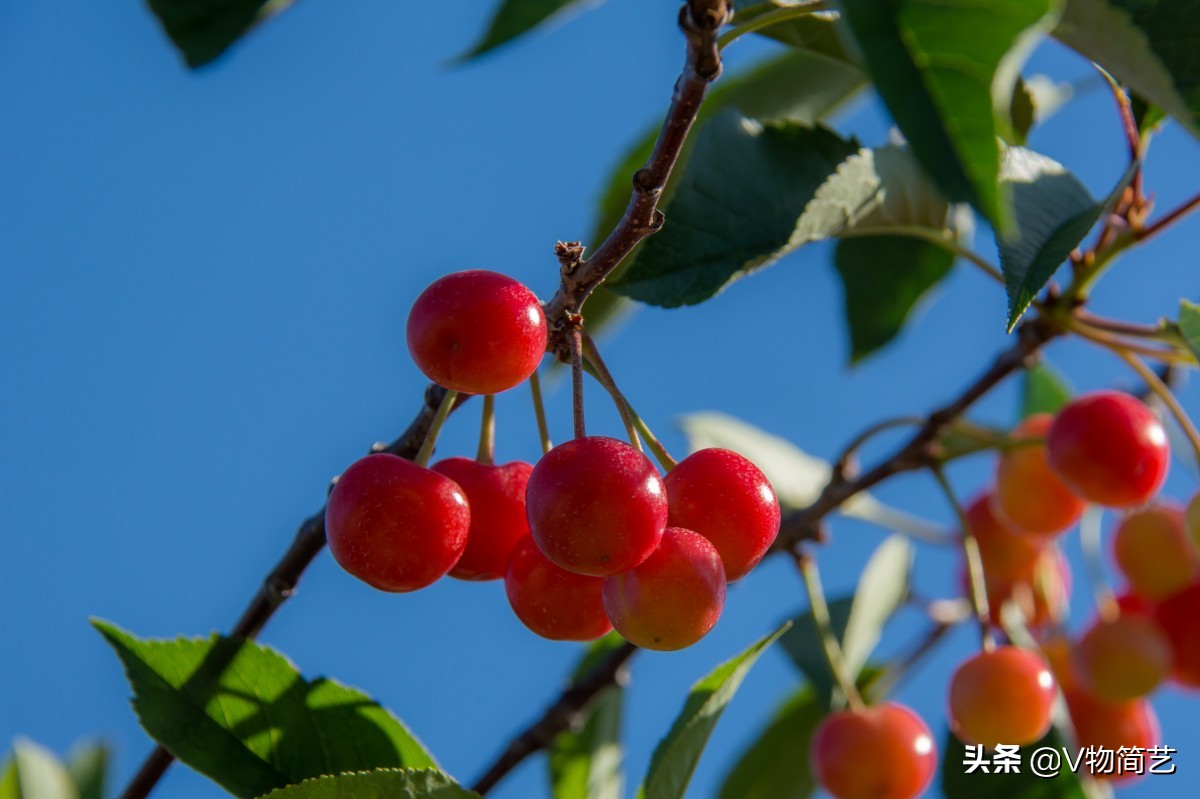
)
(700, 21)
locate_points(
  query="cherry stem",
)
(486, 454)
(1156, 385)
(979, 600)
(576, 339)
(1116, 343)
(603, 376)
(660, 452)
(539, 412)
(834, 656)
(435, 428)
(1169, 219)
(1090, 541)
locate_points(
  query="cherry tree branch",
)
(700, 20)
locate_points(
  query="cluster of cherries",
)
(1106, 448)
(590, 538)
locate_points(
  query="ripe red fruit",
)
(1002, 697)
(1008, 555)
(1122, 659)
(1112, 726)
(395, 525)
(596, 506)
(881, 752)
(1152, 550)
(725, 498)
(1110, 449)
(673, 598)
(496, 495)
(1029, 496)
(551, 601)
(1179, 618)
(478, 332)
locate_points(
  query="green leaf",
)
(514, 18)
(796, 476)
(775, 765)
(242, 715)
(957, 784)
(88, 766)
(34, 772)
(377, 784)
(1022, 112)
(883, 279)
(857, 621)
(1189, 325)
(676, 756)
(1149, 45)
(800, 85)
(204, 29)
(586, 763)
(1053, 211)
(1043, 390)
(820, 33)
(734, 210)
(939, 66)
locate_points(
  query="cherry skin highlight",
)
(496, 495)
(1028, 495)
(1152, 550)
(552, 601)
(596, 506)
(1123, 659)
(1002, 697)
(671, 599)
(881, 752)
(1109, 448)
(725, 498)
(477, 332)
(1178, 617)
(395, 525)
(1112, 725)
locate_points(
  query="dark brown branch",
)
(919, 451)
(564, 714)
(700, 20)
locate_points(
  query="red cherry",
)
(880, 752)
(551, 601)
(496, 495)
(1179, 618)
(1112, 726)
(1002, 697)
(395, 525)
(1028, 494)
(1110, 449)
(1152, 550)
(1123, 659)
(725, 498)
(596, 506)
(478, 332)
(671, 599)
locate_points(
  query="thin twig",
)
(539, 412)
(435, 429)
(577, 413)
(970, 547)
(486, 452)
(604, 376)
(562, 715)
(1164, 393)
(834, 656)
(1171, 217)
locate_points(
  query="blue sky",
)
(206, 281)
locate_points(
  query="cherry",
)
(596, 506)
(1029, 496)
(1178, 617)
(1112, 726)
(1004, 696)
(1123, 659)
(496, 495)
(1007, 555)
(725, 498)
(476, 331)
(1041, 593)
(1109, 448)
(395, 525)
(1152, 550)
(671, 599)
(880, 752)
(552, 601)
